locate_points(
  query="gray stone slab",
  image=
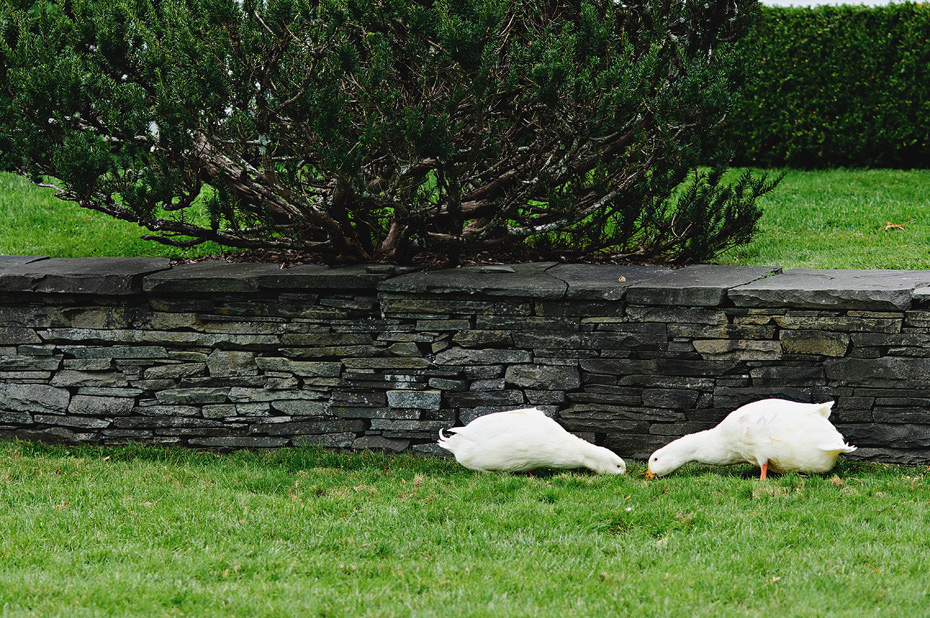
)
(921, 294)
(208, 276)
(34, 398)
(7, 261)
(214, 276)
(543, 377)
(314, 277)
(107, 276)
(237, 442)
(865, 290)
(884, 372)
(379, 443)
(603, 282)
(421, 400)
(519, 280)
(701, 285)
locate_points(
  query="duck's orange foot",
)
(765, 470)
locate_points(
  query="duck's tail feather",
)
(825, 409)
(841, 448)
(444, 439)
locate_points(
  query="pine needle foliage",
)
(376, 130)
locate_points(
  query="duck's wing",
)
(515, 440)
(751, 423)
(795, 425)
(753, 433)
(490, 426)
(776, 419)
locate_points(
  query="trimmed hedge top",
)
(837, 86)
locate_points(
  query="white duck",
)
(523, 440)
(774, 434)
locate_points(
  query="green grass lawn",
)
(818, 219)
(837, 219)
(305, 532)
(34, 222)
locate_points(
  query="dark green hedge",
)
(837, 86)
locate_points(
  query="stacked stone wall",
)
(221, 356)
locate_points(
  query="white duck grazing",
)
(773, 434)
(524, 440)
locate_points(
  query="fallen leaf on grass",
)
(893, 226)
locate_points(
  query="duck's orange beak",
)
(649, 474)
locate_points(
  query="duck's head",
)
(605, 461)
(658, 465)
(672, 456)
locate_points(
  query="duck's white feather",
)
(523, 440)
(784, 435)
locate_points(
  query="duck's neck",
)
(705, 447)
(591, 452)
(592, 456)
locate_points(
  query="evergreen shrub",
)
(379, 129)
